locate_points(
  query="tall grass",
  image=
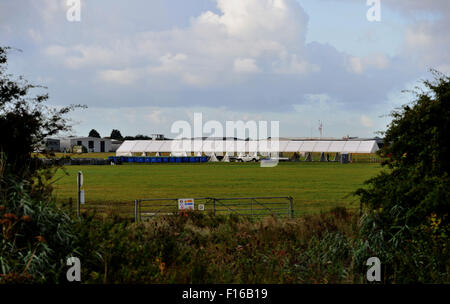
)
(202, 248)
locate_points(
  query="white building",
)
(91, 144)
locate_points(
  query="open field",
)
(315, 187)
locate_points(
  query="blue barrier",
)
(148, 160)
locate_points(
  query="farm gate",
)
(245, 206)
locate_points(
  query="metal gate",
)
(245, 206)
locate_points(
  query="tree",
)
(115, 134)
(406, 206)
(417, 146)
(137, 137)
(37, 236)
(94, 133)
(25, 121)
(142, 137)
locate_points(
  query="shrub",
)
(36, 237)
(414, 186)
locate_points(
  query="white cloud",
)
(55, 51)
(211, 49)
(88, 56)
(50, 10)
(245, 65)
(356, 65)
(249, 56)
(35, 35)
(359, 65)
(366, 121)
(123, 77)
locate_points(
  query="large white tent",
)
(185, 147)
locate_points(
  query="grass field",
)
(315, 187)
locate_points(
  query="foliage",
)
(418, 148)
(25, 121)
(94, 133)
(35, 237)
(137, 137)
(195, 247)
(415, 185)
(115, 134)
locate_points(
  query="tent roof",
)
(240, 146)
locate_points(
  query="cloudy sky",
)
(140, 65)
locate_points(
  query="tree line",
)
(117, 135)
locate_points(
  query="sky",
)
(141, 65)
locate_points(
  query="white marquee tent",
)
(186, 147)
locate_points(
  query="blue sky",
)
(141, 65)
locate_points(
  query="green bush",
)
(36, 237)
(414, 187)
(199, 247)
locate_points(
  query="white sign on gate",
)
(186, 204)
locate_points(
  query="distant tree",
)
(94, 133)
(115, 134)
(142, 137)
(137, 137)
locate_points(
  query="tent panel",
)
(251, 146)
(208, 146)
(153, 146)
(180, 146)
(322, 146)
(282, 145)
(166, 147)
(308, 146)
(197, 145)
(139, 146)
(368, 147)
(125, 147)
(351, 146)
(336, 146)
(293, 146)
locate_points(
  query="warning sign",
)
(186, 204)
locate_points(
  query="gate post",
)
(136, 211)
(291, 206)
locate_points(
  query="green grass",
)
(315, 187)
